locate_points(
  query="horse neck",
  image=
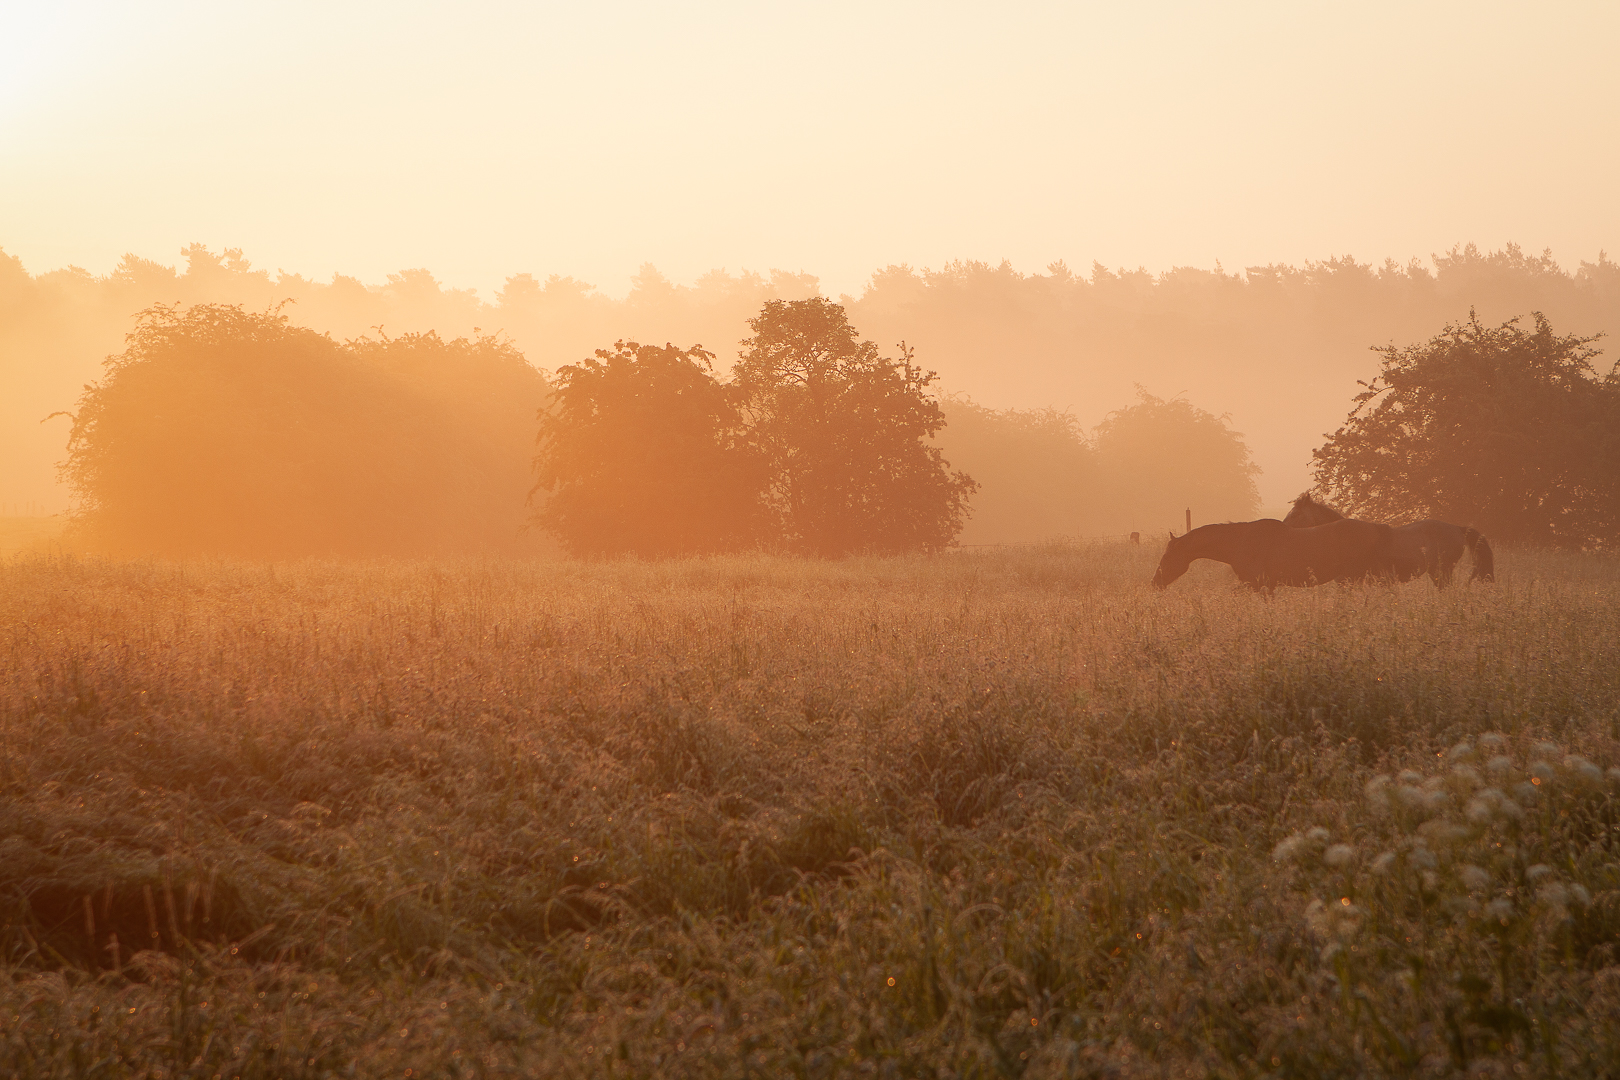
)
(1211, 541)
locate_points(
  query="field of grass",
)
(993, 813)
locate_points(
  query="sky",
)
(481, 140)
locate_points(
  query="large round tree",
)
(845, 433)
(219, 431)
(1159, 459)
(1506, 429)
(643, 452)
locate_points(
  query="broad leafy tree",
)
(1508, 429)
(224, 431)
(1161, 458)
(644, 451)
(845, 431)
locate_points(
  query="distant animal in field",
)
(1267, 553)
(1423, 547)
(1136, 538)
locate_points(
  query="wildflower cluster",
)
(1467, 892)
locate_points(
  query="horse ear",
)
(1172, 534)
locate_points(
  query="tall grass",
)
(1003, 813)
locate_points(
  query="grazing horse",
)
(1423, 547)
(1267, 553)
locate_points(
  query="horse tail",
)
(1484, 561)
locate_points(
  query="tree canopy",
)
(845, 433)
(817, 444)
(1037, 474)
(219, 430)
(644, 451)
(1506, 429)
(1160, 457)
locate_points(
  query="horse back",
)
(1344, 550)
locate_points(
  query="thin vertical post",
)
(1189, 519)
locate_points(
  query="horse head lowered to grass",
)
(1423, 547)
(1268, 553)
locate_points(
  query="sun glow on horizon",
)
(587, 141)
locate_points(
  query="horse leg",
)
(1442, 573)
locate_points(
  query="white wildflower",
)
(1435, 800)
(1423, 858)
(1500, 908)
(1339, 855)
(1579, 895)
(1474, 877)
(1410, 797)
(1409, 778)
(1384, 861)
(1289, 849)
(1318, 836)
(1500, 764)
(1613, 774)
(1461, 752)
(1467, 774)
(1583, 769)
(1537, 872)
(1543, 771)
(1491, 741)
(1480, 811)
(1554, 895)
(1548, 750)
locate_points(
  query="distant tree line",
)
(1277, 347)
(816, 444)
(220, 430)
(1043, 475)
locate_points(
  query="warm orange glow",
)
(517, 152)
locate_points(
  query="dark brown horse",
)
(1423, 547)
(1267, 553)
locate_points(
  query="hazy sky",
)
(481, 140)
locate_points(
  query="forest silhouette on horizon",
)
(1038, 359)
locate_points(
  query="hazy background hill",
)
(1278, 349)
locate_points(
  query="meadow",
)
(994, 813)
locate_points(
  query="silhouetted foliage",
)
(219, 430)
(1036, 471)
(1277, 347)
(1163, 457)
(1506, 429)
(845, 431)
(1044, 476)
(644, 451)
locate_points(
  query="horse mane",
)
(1309, 509)
(1308, 501)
